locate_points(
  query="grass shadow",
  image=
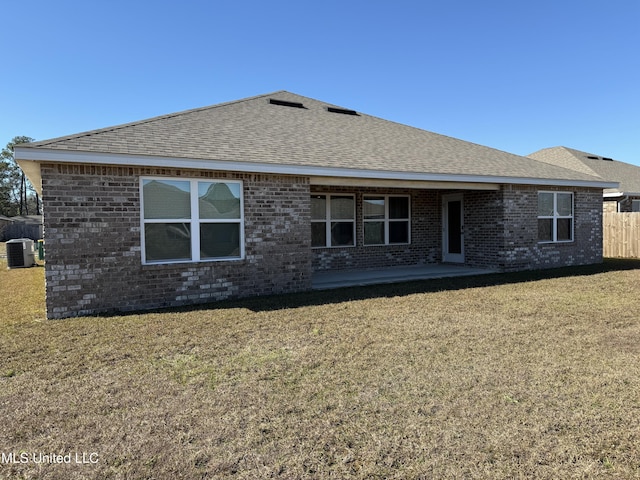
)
(401, 289)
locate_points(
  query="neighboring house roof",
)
(35, 219)
(626, 174)
(287, 133)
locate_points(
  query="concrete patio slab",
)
(351, 278)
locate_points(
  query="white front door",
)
(452, 228)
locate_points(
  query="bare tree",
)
(17, 195)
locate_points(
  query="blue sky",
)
(516, 76)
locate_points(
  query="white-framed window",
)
(555, 217)
(333, 220)
(191, 220)
(387, 219)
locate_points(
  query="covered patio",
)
(350, 278)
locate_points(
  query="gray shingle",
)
(626, 174)
(253, 130)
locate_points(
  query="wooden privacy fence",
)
(21, 230)
(621, 235)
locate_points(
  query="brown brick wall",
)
(501, 231)
(92, 231)
(92, 234)
(484, 228)
(425, 234)
(506, 237)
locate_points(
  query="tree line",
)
(17, 195)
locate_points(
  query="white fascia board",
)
(620, 194)
(612, 194)
(68, 156)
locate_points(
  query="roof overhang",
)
(618, 194)
(31, 169)
(30, 158)
(615, 194)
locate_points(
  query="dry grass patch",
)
(517, 376)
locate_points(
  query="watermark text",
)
(76, 458)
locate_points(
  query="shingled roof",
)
(282, 132)
(626, 174)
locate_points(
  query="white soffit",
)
(430, 185)
(32, 170)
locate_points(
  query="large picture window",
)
(333, 220)
(555, 217)
(386, 219)
(191, 220)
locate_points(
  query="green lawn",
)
(533, 375)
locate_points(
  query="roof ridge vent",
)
(343, 111)
(285, 103)
(591, 157)
(607, 159)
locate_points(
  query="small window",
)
(333, 220)
(635, 205)
(386, 219)
(191, 220)
(555, 217)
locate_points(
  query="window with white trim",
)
(189, 220)
(555, 217)
(387, 219)
(333, 220)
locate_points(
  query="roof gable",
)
(626, 174)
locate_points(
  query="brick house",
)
(623, 198)
(256, 196)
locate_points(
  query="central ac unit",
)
(20, 253)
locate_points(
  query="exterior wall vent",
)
(343, 111)
(284, 103)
